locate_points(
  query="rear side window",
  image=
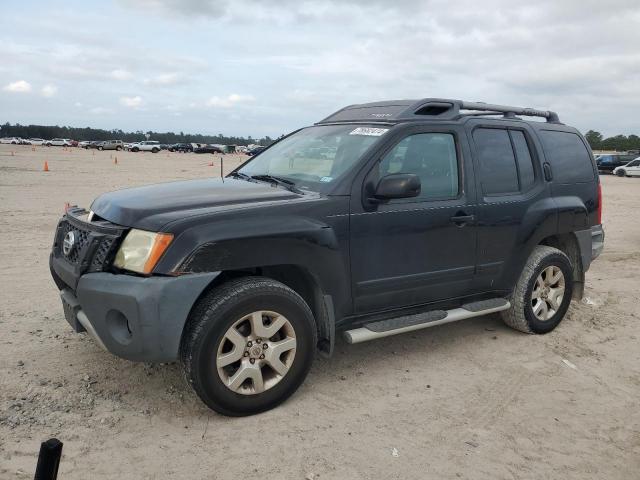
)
(568, 156)
(498, 173)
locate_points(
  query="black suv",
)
(181, 147)
(383, 218)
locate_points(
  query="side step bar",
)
(409, 323)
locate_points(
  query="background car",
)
(254, 151)
(111, 145)
(36, 141)
(84, 143)
(631, 169)
(208, 149)
(146, 146)
(608, 162)
(58, 142)
(181, 147)
(11, 140)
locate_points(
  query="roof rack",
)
(435, 108)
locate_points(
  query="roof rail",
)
(434, 108)
(552, 117)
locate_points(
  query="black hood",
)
(153, 206)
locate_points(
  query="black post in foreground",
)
(49, 460)
(221, 167)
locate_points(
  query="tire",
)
(135, 149)
(118, 149)
(520, 315)
(621, 173)
(154, 150)
(205, 338)
(100, 148)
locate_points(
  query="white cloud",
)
(131, 102)
(21, 86)
(229, 101)
(49, 91)
(165, 79)
(119, 74)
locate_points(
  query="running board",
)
(409, 323)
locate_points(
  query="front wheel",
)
(100, 148)
(543, 292)
(621, 173)
(248, 345)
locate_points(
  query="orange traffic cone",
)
(46, 167)
(67, 206)
(115, 161)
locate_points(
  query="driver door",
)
(412, 251)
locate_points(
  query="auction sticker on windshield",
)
(369, 131)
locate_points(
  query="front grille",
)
(94, 246)
(81, 236)
(102, 255)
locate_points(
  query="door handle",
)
(462, 220)
(548, 173)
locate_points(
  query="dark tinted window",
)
(568, 156)
(523, 156)
(498, 172)
(431, 156)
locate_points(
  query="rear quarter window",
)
(568, 156)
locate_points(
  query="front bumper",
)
(136, 318)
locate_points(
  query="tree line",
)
(619, 143)
(49, 131)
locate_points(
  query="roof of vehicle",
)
(398, 111)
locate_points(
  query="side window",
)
(523, 157)
(568, 156)
(430, 156)
(498, 172)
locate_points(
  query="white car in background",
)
(631, 169)
(84, 143)
(146, 146)
(58, 142)
(11, 140)
(36, 141)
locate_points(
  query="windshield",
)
(316, 156)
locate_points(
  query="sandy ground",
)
(471, 400)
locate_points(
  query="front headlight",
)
(141, 250)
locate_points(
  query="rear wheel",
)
(100, 148)
(154, 150)
(118, 149)
(248, 346)
(543, 292)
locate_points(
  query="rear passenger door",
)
(512, 198)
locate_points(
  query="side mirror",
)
(398, 185)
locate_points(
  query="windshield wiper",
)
(288, 184)
(241, 175)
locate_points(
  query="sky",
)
(250, 67)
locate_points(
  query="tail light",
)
(599, 215)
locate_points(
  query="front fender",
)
(241, 244)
